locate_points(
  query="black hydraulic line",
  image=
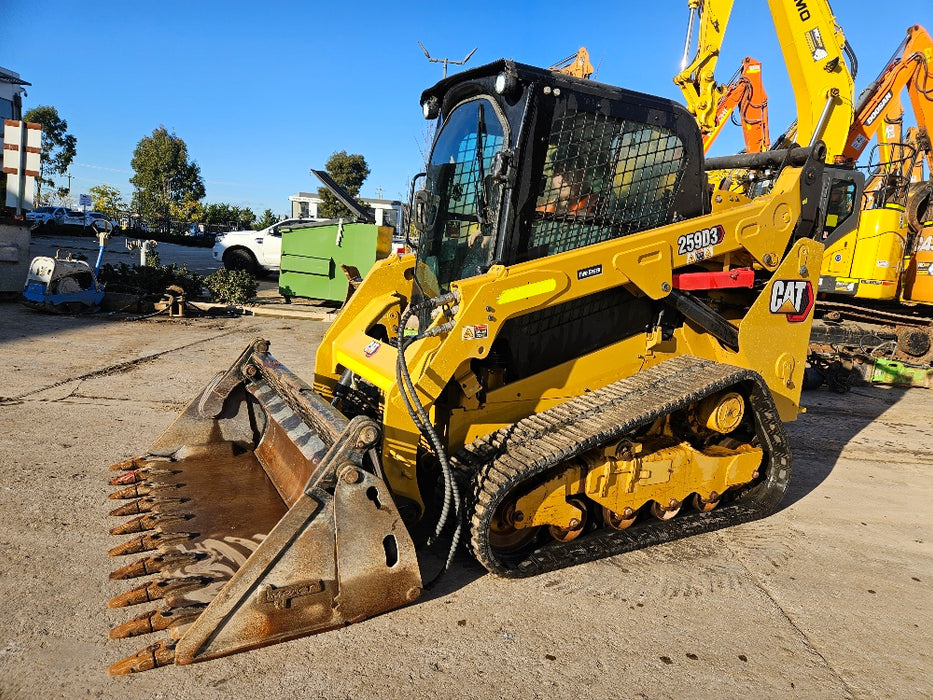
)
(452, 499)
(705, 317)
(768, 159)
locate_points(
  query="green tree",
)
(229, 216)
(268, 218)
(164, 176)
(107, 200)
(59, 149)
(188, 209)
(348, 171)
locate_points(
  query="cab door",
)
(271, 247)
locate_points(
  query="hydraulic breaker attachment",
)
(259, 516)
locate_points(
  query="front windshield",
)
(458, 240)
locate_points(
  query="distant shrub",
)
(151, 280)
(231, 286)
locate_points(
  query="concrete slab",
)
(829, 597)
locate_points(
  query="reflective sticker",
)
(527, 291)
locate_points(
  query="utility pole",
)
(445, 61)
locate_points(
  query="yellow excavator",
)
(586, 354)
(865, 233)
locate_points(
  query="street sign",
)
(84, 200)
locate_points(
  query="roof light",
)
(430, 108)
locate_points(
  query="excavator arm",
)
(696, 78)
(577, 65)
(814, 48)
(908, 68)
(747, 94)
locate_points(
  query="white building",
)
(11, 95)
(388, 212)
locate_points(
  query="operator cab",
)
(528, 163)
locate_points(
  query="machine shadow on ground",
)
(819, 436)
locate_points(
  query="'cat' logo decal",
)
(793, 298)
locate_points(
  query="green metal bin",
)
(312, 255)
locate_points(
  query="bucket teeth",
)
(153, 565)
(143, 488)
(136, 463)
(134, 491)
(148, 522)
(156, 620)
(153, 656)
(146, 504)
(157, 590)
(138, 476)
(148, 543)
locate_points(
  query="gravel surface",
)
(829, 597)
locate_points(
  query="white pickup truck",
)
(49, 217)
(256, 252)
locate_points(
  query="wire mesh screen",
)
(604, 177)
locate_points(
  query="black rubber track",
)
(503, 462)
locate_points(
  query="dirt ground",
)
(829, 597)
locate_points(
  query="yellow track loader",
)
(588, 353)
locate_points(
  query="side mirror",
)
(424, 210)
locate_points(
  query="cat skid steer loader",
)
(587, 354)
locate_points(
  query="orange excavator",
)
(908, 68)
(746, 95)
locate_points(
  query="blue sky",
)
(261, 92)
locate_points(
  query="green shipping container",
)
(312, 256)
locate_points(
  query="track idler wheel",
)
(570, 533)
(705, 505)
(619, 521)
(665, 512)
(504, 536)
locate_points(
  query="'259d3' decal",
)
(793, 298)
(698, 240)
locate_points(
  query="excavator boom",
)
(909, 68)
(814, 49)
(745, 93)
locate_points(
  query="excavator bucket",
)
(259, 516)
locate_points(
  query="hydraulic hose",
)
(452, 499)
